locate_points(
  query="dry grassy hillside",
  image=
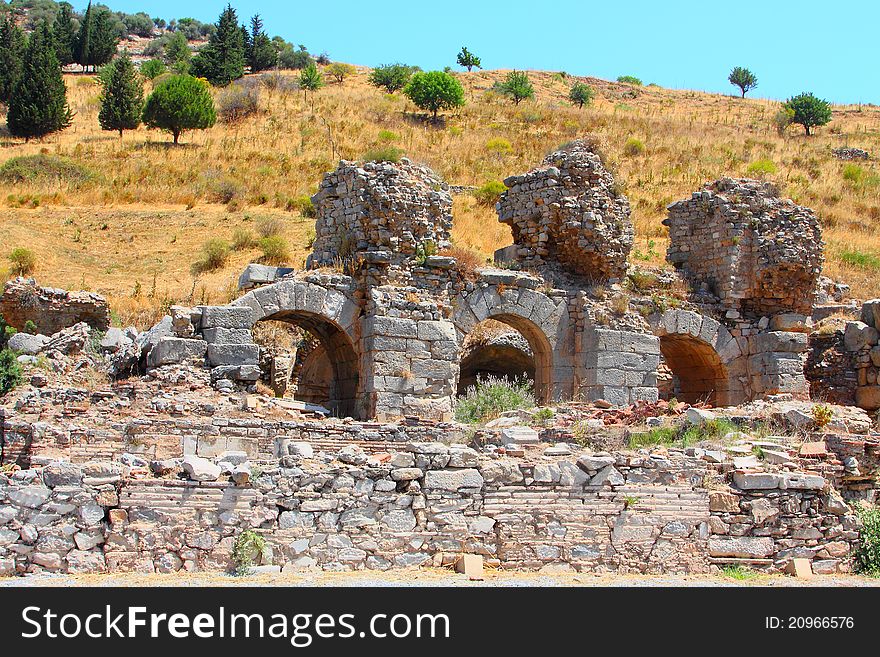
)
(133, 230)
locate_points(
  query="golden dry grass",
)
(151, 207)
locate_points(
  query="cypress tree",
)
(261, 55)
(83, 53)
(223, 59)
(38, 106)
(122, 100)
(12, 46)
(104, 37)
(65, 34)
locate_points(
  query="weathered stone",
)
(741, 547)
(200, 469)
(453, 479)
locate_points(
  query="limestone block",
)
(233, 354)
(231, 317)
(741, 547)
(453, 480)
(170, 351)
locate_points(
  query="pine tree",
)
(82, 53)
(223, 59)
(38, 106)
(178, 103)
(261, 55)
(12, 47)
(122, 100)
(65, 34)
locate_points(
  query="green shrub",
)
(499, 146)
(711, 430)
(391, 77)
(630, 79)
(153, 68)
(868, 551)
(303, 204)
(387, 136)
(858, 176)
(860, 259)
(633, 147)
(248, 548)
(762, 167)
(178, 103)
(782, 119)
(10, 371)
(23, 261)
(339, 71)
(215, 253)
(44, 168)
(275, 251)
(490, 192)
(384, 154)
(243, 239)
(491, 397)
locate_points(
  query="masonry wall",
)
(423, 504)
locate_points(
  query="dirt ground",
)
(433, 578)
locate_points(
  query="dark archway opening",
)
(311, 359)
(691, 371)
(506, 346)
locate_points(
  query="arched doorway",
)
(498, 350)
(695, 373)
(321, 365)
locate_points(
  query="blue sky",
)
(829, 48)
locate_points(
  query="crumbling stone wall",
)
(419, 504)
(766, 519)
(757, 253)
(568, 211)
(51, 309)
(380, 206)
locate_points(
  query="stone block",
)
(231, 317)
(453, 480)
(170, 351)
(233, 354)
(470, 565)
(227, 336)
(741, 547)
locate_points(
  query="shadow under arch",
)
(341, 353)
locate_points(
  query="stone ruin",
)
(568, 211)
(154, 473)
(51, 309)
(379, 206)
(757, 253)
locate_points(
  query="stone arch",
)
(538, 318)
(329, 314)
(700, 352)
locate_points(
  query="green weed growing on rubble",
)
(248, 547)
(684, 435)
(868, 551)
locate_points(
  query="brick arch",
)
(700, 352)
(539, 319)
(329, 314)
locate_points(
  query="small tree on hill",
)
(580, 94)
(261, 54)
(97, 38)
(178, 103)
(38, 105)
(468, 59)
(339, 71)
(64, 33)
(434, 91)
(223, 59)
(122, 99)
(744, 79)
(177, 49)
(310, 79)
(391, 77)
(12, 47)
(518, 86)
(809, 111)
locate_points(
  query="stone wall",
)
(418, 504)
(51, 309)
(756, 253)
(568, 211)
(380, 206)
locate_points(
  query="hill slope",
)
(133, 229)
